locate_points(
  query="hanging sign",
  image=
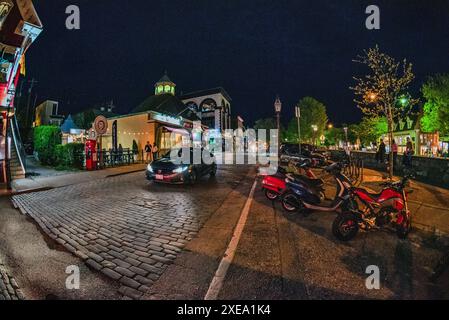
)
(101, 125)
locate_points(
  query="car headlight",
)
(180, 169)
(149, 168)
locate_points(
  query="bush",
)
(70, 155)
(46, 138)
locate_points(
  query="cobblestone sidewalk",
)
(126, 229)
(9, 289)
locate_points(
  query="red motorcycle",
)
(275, 185)
(389, 207)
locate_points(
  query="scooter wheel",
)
(290, 203)
(271, 195)
(345, 227)
(404, 229)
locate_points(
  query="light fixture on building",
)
(5, 9)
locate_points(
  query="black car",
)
(174, 167)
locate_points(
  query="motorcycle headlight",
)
(149, 168)
(180, 169)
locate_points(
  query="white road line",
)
(218, 280)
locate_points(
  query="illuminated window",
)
(167, 88)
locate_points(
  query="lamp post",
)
(315, 130)
(346, 139)
(298, 117)
(278, 109)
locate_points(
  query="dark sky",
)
(255, 49)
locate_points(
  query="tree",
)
(266, 123)
(313, 113)
(379, 92)
(370, 129)
(334, 136)
(436, 109)
(84, 120)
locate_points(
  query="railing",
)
(113, 158)
(17, 140)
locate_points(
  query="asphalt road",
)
(296, 257)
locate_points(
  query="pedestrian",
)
(409, 152)
(394, 148)
(120, 153)
(155, 151)
(148, 150)
(381, 151)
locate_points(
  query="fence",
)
(354, 168)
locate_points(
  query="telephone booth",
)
(91, 154)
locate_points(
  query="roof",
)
(68, 125)
(166, 104)
(164, 79)
(207, 92)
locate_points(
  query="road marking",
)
(218, 280)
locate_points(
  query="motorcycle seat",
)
(309, 181)
(373, 196)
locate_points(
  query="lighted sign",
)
(167, 119)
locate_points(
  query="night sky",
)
(254, 49)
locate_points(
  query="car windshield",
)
(179, 151)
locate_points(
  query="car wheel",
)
(213, 171)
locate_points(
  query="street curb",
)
(124, 173)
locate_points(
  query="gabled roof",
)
(166, 104)
(165, 79)
(206, 92)
(68, 125)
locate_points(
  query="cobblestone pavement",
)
(125, 227)
(9, 289)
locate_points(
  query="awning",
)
(182, 132)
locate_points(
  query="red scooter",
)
(275, 185)
(389, 207)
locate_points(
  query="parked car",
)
(168, 170)
(307, 151)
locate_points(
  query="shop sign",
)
(101, 125)
(167, 119)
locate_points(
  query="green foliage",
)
(370, 129)
(267, 123)
(70, 155)
(333, 136)
(436, 108)
(313, 112)
(46, 138)
(84, 119)
(135, 147)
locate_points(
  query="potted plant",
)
(135, 150)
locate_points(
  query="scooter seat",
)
(309, 181)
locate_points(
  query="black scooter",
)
(301, 197)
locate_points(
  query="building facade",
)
(19, 28)
(47, 114)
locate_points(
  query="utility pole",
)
(298, 117)
(32, 82)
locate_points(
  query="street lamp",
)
(278, 109)
(315, 130)
(346, 138)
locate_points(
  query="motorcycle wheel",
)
(345, 227)
(271, 195)
(404, 229)
(290, 203)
